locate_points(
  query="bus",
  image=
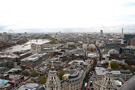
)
(85, 85)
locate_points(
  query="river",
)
(26, 46)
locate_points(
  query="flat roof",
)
(2, 81)
(29, 86)
(34, 57)
(102, 71)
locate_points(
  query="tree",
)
(91, 49)
(42, 80)
(25, 73)
(114, 65)
(61, 73)
(52, 42)
(129, 62)
(125, 67)
(34, 74)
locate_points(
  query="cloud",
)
(2, 27)
(41, 14)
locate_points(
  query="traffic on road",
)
(88, 82)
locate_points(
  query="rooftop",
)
(2, 81)
(102, 71)
(130, 47)
(26, 46)
(29, 86)
(34, 57)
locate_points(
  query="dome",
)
(92, 46)
(113, 51)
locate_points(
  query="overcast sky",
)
(39, 15)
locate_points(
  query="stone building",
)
(72, 80)
(44, 48)
(36, 48)
(107, 83)
(53, 82)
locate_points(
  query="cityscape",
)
(67, 61)
(67, 45)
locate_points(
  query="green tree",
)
(34, 74)
(114, 65)
(25, 73)
(125, 67)
(52, 42)
(91, 49)
(42, 80)
(61, 73)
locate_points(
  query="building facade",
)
(107, 82)
(53, 82)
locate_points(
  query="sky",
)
(67, 15)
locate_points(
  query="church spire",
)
(53, 82)
(52, 65)
(109, 65)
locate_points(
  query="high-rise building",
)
(128, 37)
(122, 31)
(132, 42)
(4, 37)
(101, 32)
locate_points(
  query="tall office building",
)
(122, 31)
(4, 37)
(101, 32)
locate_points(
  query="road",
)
(89, 78)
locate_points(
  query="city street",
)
(87, 80)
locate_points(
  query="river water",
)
(26, 46)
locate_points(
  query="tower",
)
(101, 32)
(122, 31)
(4, 37)
(108, 81)
(53, 82)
